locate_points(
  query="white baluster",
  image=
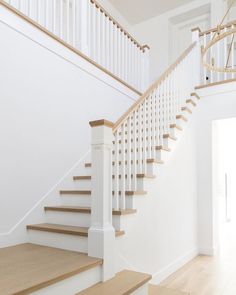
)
(129, 158)
(144, 146)
(116, 171)
(134, 145)
(123, 170)
(84, 18)
(232, 54)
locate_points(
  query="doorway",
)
(224, 182)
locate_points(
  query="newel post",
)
(101, 235)
(198, 63)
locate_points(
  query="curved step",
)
(64, 229)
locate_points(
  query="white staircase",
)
(125, 156)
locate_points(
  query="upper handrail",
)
(142, 47)
(135, 106)
(222, 27)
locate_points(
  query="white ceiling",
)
(136, 11)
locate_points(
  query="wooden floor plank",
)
(158, 290)
(27, 267)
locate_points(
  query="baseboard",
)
(161, 275)
(208, 251)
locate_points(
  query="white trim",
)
(161, 275)
(208, 251)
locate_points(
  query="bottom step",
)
(158, 290)
(29, 268)
(124, 283)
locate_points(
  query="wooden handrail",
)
(228, 25)
(135, 106)
(73, 49)
(142, 47)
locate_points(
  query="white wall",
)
(163, 235)
(158, 33)
(48, 95)
(217, 103)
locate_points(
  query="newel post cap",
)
(101, 122)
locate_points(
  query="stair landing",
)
(27, 268)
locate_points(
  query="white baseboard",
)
(208, 251)
(161, 275)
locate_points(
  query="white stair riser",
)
(78, 219)
(169, 143)
(62, 241)
(81, 185)
(76, 200)
(162, 155)
(69, 218)
(74, 284)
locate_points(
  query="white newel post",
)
(101, 236)
(84, 18)
(145, 74)
(198, 62)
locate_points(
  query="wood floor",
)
(26, 268)
(158, 290)
(209, 275)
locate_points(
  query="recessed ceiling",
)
(136, 11)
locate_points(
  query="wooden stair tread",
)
(77, 209)
(181, 117)
(187, 110)
(162, 148)
(88, 193)
(169, 136)
(195, 94)
(148, 161)
(176, 126)
(113, 176)
(80, 177)
(76, 192)
(191, 101)
(159, 290)
(64, 229)
(132, 193)
(124, 283)
(27, 268)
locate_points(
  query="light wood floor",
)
(209, 275)
(26, 268)
(158, 290)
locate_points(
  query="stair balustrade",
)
(135, 140)
(87, 27)
(218, 54)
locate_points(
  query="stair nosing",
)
(65, 229)
(85, 210)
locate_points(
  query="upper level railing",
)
(218, 54)
(87, 27)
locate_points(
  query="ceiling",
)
(136, 11)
